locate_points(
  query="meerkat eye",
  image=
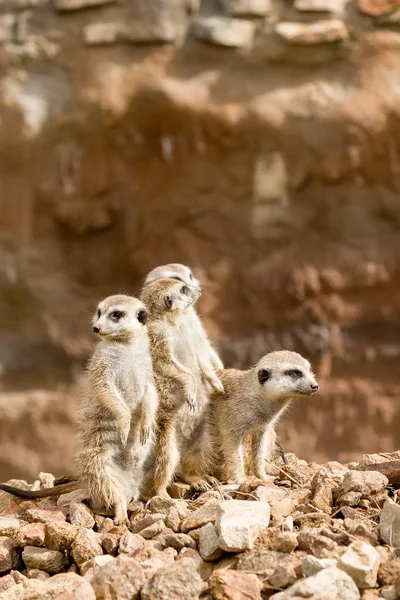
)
(190, 276)
(168, 301)
(295, 373)
(98, 313)
(263, 375)
(184, 290)
(116, 315)
(142, 317)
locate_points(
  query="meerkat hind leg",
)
(232, 449)
(166, 460)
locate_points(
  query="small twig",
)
(284, 472)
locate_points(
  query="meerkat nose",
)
(314, 387)
(96, 329)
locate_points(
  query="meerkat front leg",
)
(263, 444)
(208, 375)
(110, 397)
(232, 449)
(216, 362)
(148, 412)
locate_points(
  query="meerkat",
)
(254, 401)
(117, 413)
(190, 320)
(179, 380)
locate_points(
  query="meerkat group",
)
(158, 403)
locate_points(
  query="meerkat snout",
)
(96, 330)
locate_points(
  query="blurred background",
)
(257, 141)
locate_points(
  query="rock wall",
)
(255, 140)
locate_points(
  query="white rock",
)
(224, 31)
(328, 584)
(8, 526)
(389, 593)
(208, 542)
(361, 561)
(365, 482)
(390, 523)
(311, 565)
(239, 522)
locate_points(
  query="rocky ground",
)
(324, 532)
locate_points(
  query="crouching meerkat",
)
(190, 321)
(255, 399)
(117, 412)
(179, 380)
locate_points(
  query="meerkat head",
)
(119, 318)
(169, 296)
(285, 375)
(173, 271)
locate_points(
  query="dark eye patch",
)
(295, 373)
(99, 313)
(142, 317)
(184, 290)
(116, 315)
(263, 375)
(176, 277)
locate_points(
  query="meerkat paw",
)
(162, 494)
(201, 485)
(144, 435)
(191, 400)
(218, 387)
(121, 515)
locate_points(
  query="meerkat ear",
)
(263, 375)
(142, 317)
(168, 301)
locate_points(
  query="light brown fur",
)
(255, 400)
(179, 382)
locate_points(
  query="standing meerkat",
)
(190, 320)
(117, 412)
(254, 401)
(179, 379)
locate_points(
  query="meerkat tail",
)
(65, 479)
(45, 493)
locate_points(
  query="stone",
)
(46, 480)
(8, 554)
(201, 516)
(120, 578)
(130, 542)
(234, 585)
(389, 593)
(110, 543)
(364, 482)
(37, 574)
(6, 582)
(350, 499)
(157, 504)
(180, 581)
(239, 522)
(312, 541)
(247, 8)
(390, 523)
(96, 563)
(45, 515)
(209, 543)
(137, 525)
(270, 566)
(32, 534)
(224, 31)
(282, 502)
(330, 6)
(59, 535)
(152, 530)
(203, 568)
(173, 520)
(152, 559)
(319, 32)
(361, 561)
(8, 526)
(136, 32)
(328, 584)
(179, 490)
(377, 8)
(75, 496)
(178, 541)
(389, 571)
(71, 5)
(50, 561)
(80, 515)
(284, 541)
(85, 546)
(65, 586)
(311, 565)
